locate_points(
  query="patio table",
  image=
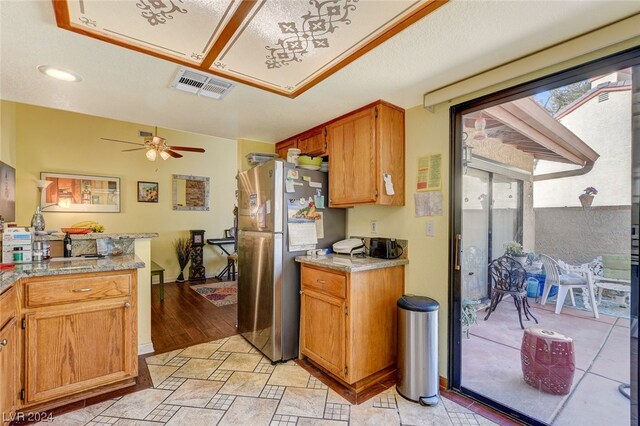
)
(604, 283)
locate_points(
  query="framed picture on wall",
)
(147, 192)
(7, 192)
(80, 193)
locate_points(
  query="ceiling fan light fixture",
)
(157, 140)
(165, 155)
(151, 154)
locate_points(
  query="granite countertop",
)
(59, 236)
(70, 265)
(346, 263)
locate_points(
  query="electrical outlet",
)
(430, 229)
(374, 226)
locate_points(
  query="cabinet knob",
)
(81, 290)
(301, 291)
(4, 342)
(127, 304)
(321, 281)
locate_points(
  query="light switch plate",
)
(430, 229)
(374, 227)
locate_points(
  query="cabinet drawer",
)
(7, 306)
(324, 281)
(58, 291)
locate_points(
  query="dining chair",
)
(566, 282)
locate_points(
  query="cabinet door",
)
(314, 142)
(352, 165)
(8, 370)
(68, 350)
(322, 336)
(283, 147)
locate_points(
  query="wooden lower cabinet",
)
(353, 336)
(8, 356)
(323, 330)
(75, 349)
(78, 336)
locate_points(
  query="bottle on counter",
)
(18, 255)
(67, 245)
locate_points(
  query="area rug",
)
(220, 294)
(608, 305)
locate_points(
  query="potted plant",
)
(514, 249)
(586, 198)
(183, 249)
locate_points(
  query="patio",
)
(602, 363)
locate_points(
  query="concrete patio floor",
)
(491, 365)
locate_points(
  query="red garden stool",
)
(548, 360)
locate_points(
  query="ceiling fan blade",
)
(186, 148)
(173, 153)
(133, 149)
(116, 140)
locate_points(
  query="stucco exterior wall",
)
(605, 127)
(578, 235)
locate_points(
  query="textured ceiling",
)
(457, 40)
(282, 46)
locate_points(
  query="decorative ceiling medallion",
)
(315, 26)
(157, 11)
(305, 41)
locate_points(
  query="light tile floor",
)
(233, 385)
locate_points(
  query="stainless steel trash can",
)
(418, 378)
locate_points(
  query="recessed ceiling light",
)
(59, 73)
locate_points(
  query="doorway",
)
(521, 159)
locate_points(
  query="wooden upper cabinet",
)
(314, 142)
(352, 160)
(363, 147)
(283, 147)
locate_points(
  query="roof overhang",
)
(528, 127)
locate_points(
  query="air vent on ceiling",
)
(201, 84)
(604, 96)
(145, 134)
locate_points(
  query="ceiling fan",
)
(157, 146)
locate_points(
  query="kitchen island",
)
(348, 317)
(68, 330)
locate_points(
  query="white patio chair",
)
(566, 282)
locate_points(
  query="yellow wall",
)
(57, 141)
(246, 146)
(428, 132)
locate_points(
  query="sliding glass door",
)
(552, 166)
(491, 217)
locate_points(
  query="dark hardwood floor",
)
(185, 318)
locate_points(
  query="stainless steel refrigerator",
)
(268, 276)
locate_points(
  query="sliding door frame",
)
(604, 65)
